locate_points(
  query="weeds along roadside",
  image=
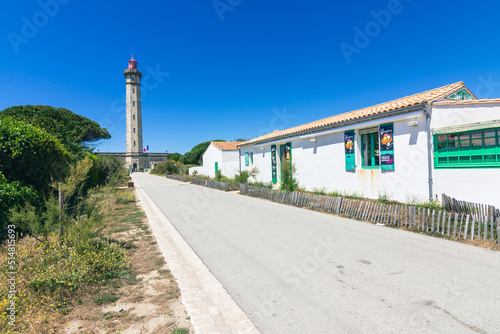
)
(60, 256)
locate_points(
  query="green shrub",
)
(320, 191)
(242, 176)
(14, 195)
(30, 155)
(288, 182)
(218, 175)
(168, 167)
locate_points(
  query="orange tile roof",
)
(452, 103)
(226, 145)
(405, 102)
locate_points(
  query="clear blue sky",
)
(234, 71)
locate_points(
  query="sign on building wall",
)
(273, 164)
(350, 159)
(288, 151)
(387, 146)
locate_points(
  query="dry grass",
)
(144, 296)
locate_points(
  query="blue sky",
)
(229, 69)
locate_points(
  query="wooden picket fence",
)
(178, 178)
(452, 224)
(226, 186)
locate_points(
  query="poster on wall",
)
(386, 137)
(387, 159)
(350, 159)
(387, 146)
(349, 142)
(288, 151)
(273, 164)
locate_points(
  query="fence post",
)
(498, 230)
(455, 226)
(61, 231)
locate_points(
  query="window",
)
(478, 148)
(133, 117)
(134, 142)
(133, 130)
(133, 103)
(133, 90)
(370, 155)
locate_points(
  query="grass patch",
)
(107, 298)
(180, 331)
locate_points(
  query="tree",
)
(73, 131)
(195, 156)
(175, 156)
(30, 155)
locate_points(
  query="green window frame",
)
(468, 149)
(370, 150)
(251, 158)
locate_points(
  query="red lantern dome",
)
(132, 63)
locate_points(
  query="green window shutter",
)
(216, 167)
(468, 149)
(387, 146)
(274, 170)
(247, 159)
(251, 158)
(350, 158)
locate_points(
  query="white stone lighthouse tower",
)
(134, 116)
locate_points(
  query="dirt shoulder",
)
(144, 300)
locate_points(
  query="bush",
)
(288, 182)
(242, 176)
(30, 155)
(14, 195)
(168, 167)
(218, 175)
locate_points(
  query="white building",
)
(223, 156)
(417, 147)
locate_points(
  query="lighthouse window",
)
(133, 90)
(133, 78)
(133, 117)
(134, 142)
(133, 103)
(134, 130)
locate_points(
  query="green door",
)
(216, 166)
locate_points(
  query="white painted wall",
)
(227, 162)
(480, 185)
(321, 164)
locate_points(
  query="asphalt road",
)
(293, 270)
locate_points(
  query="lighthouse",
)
(134, 145)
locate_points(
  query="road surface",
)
(293, 270)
